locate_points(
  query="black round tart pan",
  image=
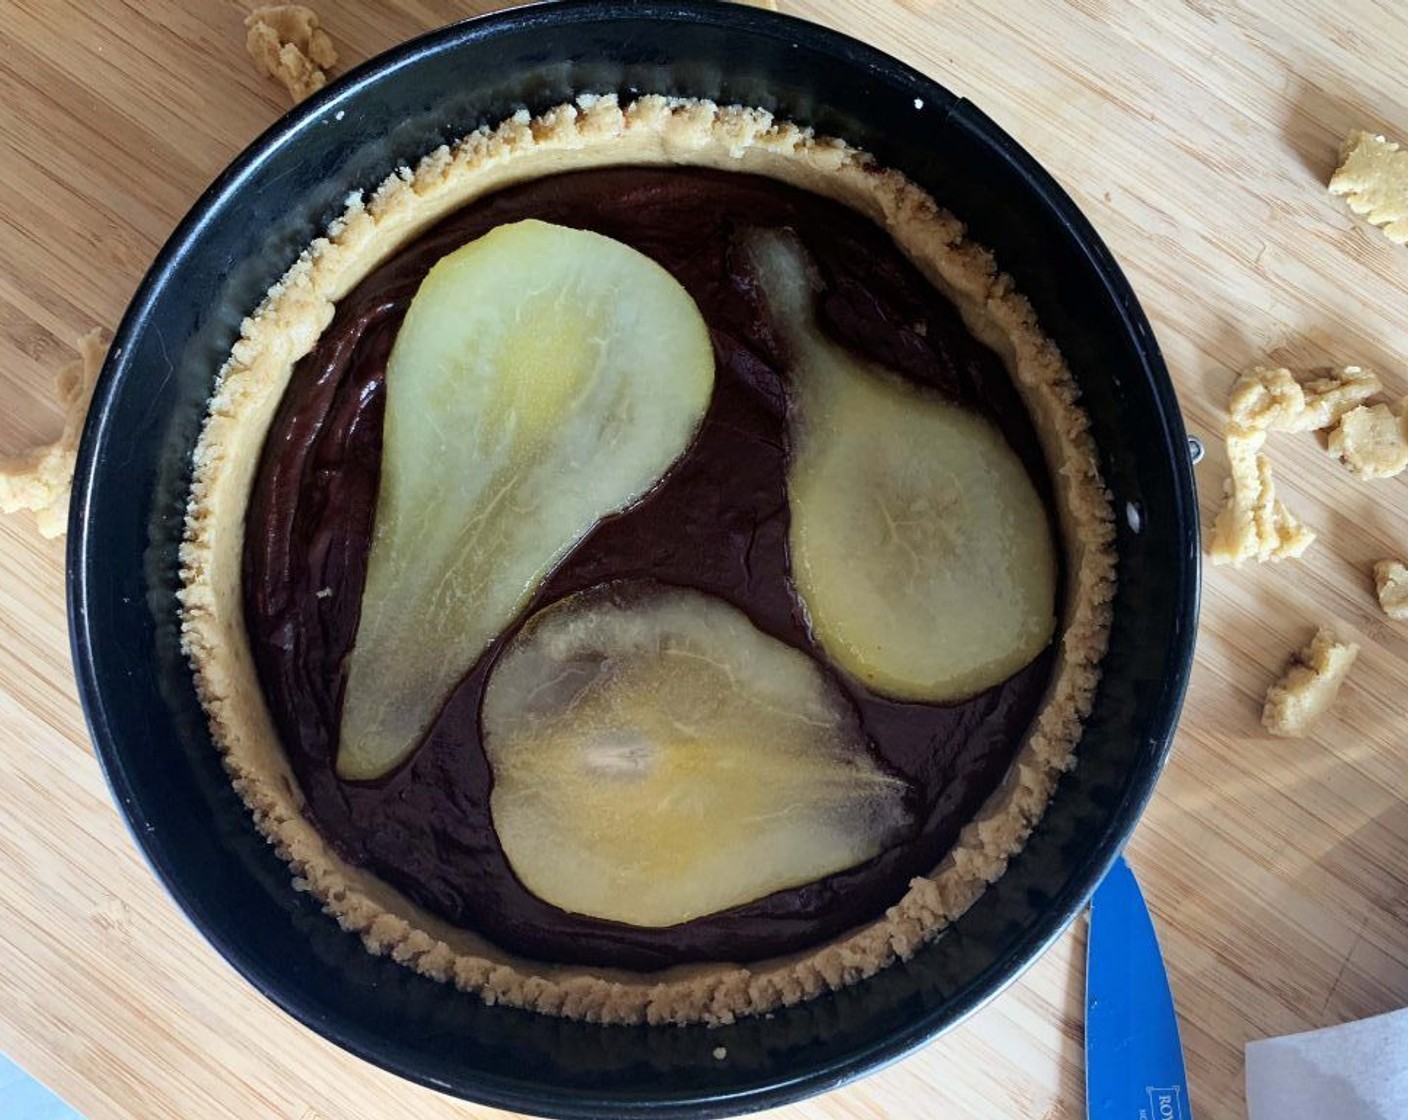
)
(134, 471)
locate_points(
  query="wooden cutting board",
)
(1197, 136)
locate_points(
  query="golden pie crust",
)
(596, 132)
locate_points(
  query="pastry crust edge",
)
(598, 131)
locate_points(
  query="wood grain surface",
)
(1197, 136)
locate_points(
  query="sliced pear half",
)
(543, 379)
(919, 545)
(657, 758)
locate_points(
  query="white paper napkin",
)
(1358, 1071)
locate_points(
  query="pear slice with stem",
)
(543, 379)
(657, 758)
(919, 545)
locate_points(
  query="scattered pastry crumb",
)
(1272, 400)
(1372, 440)
(287, 43)
(1373, 178)
(1262, 399)
(1330, 397)
(1391, 580)
(1309, 686)
(720, 1053)
(324, 593)
(1254, 524)
(41, 479)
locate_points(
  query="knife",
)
(1133, 1056)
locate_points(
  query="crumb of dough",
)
(1328, 398)
(40, 479)
(1273, 400)
(1391, 580)
(1254, 524)
(1372, 440)
(286, 43)
(720, 1053)
(1263, 398)
(1373, 178)
(1309, 685)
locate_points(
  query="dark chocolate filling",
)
(718, 522)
